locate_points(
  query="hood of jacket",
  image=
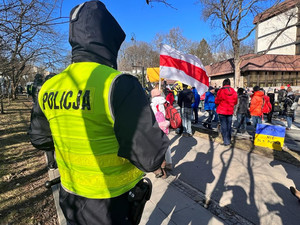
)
(209, 94)
(258, 93)
(228, 90)
(158, 100)
(243, 96)
(94, 34)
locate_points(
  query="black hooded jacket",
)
(95, 36)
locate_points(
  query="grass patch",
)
(23, 197)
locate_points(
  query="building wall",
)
(271, 79)
(268, 30)
(217, 81)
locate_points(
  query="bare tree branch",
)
(27, 36)
(160, 1)
(233, 16)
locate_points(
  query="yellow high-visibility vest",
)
(76, 103)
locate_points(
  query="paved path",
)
(249, 185)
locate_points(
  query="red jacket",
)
(267, 108)
(226, 100)
(256, 104)
(170, 98)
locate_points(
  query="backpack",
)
(281, 95)
(266, 107)
(162, 122)
(276, 107)
(172, 115)
(243, 103)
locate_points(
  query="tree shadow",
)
(184, 145)
(17, 180)
(20, 212)
(239, 202)
(286, 206)
(186, 159)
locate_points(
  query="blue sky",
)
(145, 21)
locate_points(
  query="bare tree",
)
(203, 51)
(29, 37)
(233, 16)
(137, 54)
(174, 38)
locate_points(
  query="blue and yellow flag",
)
(269, 136)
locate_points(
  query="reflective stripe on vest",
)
(76, 103)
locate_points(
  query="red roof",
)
(275, 10)
(253, 62)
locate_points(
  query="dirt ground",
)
(23, 173)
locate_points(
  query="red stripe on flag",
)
(190, 69)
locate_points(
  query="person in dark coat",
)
(242, 108)
(119, 136)
(36, 86)
(288, 109)
(271, 95)
(185, 101)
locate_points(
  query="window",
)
(261, 79)
(293, 79)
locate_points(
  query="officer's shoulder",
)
(127, 76)
(126, 79)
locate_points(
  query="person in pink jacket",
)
(226, 100)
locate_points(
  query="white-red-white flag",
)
(186, 68)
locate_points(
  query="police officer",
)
(104, 132)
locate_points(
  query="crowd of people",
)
(249, 106)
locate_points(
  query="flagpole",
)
(159, 83)
(159, 80)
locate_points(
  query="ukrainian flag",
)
(269, 136)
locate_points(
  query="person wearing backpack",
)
(256, 106)
(271, 96)
(282, 93)
(267, 106)
(242, 110)
(158, 108)
(289, 108)
(170, 96)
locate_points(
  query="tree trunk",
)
(237, 72)
(13, 92)
(237, 63)
(2, 109)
